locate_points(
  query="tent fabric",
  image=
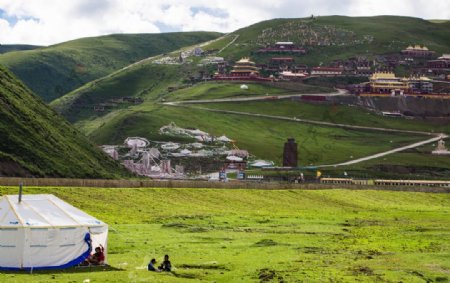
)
(43, 231)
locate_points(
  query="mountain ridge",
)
(55, 70)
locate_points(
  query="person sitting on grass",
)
(166, 265)
(98, 258)
(151, 265)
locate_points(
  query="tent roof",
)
(42, 211)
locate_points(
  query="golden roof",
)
(245, 60)
(417, 47)
(382, 75)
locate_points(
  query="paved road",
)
(306, 121)
(414, 145)
(256, 98)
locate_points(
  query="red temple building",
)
(243, 69)
(442, 63)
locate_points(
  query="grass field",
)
(342, 114)
(263, 137)
(263, 236)
(215, 90)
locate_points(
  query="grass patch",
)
(381, 242)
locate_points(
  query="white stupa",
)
(441, 149)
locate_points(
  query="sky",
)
(46, 22)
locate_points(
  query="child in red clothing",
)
(98, 258)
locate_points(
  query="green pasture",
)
(214, 90)
(220, 235)
(340, 114)
(262, 137)
(217, 89)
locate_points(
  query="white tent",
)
(43, 231)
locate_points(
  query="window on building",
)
(67, 236)
(38, 237)
(8, 237)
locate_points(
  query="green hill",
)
(154, 82)
(5, 48)
(56, 70)
(36, 141)
(338, 37)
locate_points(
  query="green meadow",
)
(263, 137)
(215, 90)
(221, 235)
(334, 113)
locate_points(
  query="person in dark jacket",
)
(166, 264)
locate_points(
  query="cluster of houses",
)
(307, 33)
(286, 68)
(283, 66)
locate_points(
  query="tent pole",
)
(20, 192)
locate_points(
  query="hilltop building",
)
(283, 47)
(290, 76)
(388, 83)
(442, 63)
(422, 85)
(327, 71)
(243, 69)
(417, 51)
(281, 61)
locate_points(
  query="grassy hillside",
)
(263, 137)
(214, 90)
(341, 114)
(146, 81)
(342, 37)
(262, 236)
(36, 141)
(5, 48)
(56, 70)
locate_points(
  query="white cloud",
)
(52, 21)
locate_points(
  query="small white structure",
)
(441, 149)
(44, 232)
(244, 87)
(137, 142)
(261, 163)
(224, 139)
(234, 158)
